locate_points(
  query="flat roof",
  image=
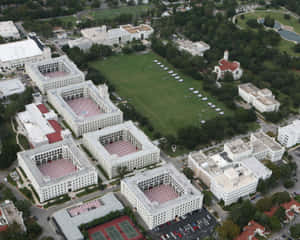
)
(238, 146)
(19, 50)
(249, 88)
(257, 167)
(11, 86)
(69, 224)
(189, 191)
(8, 29)
(268, 141)
(234, 177)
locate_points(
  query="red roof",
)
(226, 65)
(42, 108)
(271, 212)
(55, 125)
(56, 136)
(290, 213)
(250, 230)
(3, 228)
(289, 204)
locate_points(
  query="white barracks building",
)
(122, 145)
(161, 195)
(227, 181)
(262, 99)
(56, 169)
(289, 135)
(85, 107)
(15, 55)
(54, 73)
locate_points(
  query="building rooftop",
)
(8, 29)
(20, 49)
(257, 167)
(249, 88)
(268, 141)
(226, 65)
(10, 87)
(238, 146)
(234, 177)
(292, 128)
(69, 219)
(160, 196)
(267, 100)
(195, 48)
(48, 176)
(135, 29)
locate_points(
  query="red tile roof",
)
(289, 204)
(250, 230)
(56, 136)
(271, 212)
(227, 65)
(42, 108)
(3, 228)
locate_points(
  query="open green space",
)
(168, 104)
(115, 12)
(284, 45)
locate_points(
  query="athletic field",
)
(168, 103)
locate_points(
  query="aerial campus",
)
(161, 120)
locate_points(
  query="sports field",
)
(119, 229)
(168, 103)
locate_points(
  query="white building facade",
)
(48, 187)
(121, 35)
(15, 55)
(228, 181)
(194, 48)
(155, 213)
(79, 122)
(141, 152)
(261, 99)
(54, 73)
(289, 135)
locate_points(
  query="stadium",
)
(122, 145)
(56, 169)
(85, 107)
(161, 195)
(54, 73)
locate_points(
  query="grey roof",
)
(69, 225)
(257, 167)
(28, 155)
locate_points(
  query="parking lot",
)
(192, 226)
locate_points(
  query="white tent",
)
(191, 89)
(196, 92)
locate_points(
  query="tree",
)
(207, 198)
(242, 213)
(281, 197)
(295, 231)
(24, 206)
(288, 183)
(280, 214)
(228, 230)
(264, 204)
(122, 170)
(269, 21)
(188, 172)
(275, 224)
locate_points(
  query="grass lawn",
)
(168, 104)
(284, 45)
(114, 12)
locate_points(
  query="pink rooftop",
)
(161, 194)
(121, 148)
(55, 74)
(84, 107)
(75, 211)
(57, 168)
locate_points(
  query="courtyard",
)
(169, 100)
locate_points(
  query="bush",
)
(27, 193)
(287, 16)
(269, 21)
(252, 23)
(288, 183)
